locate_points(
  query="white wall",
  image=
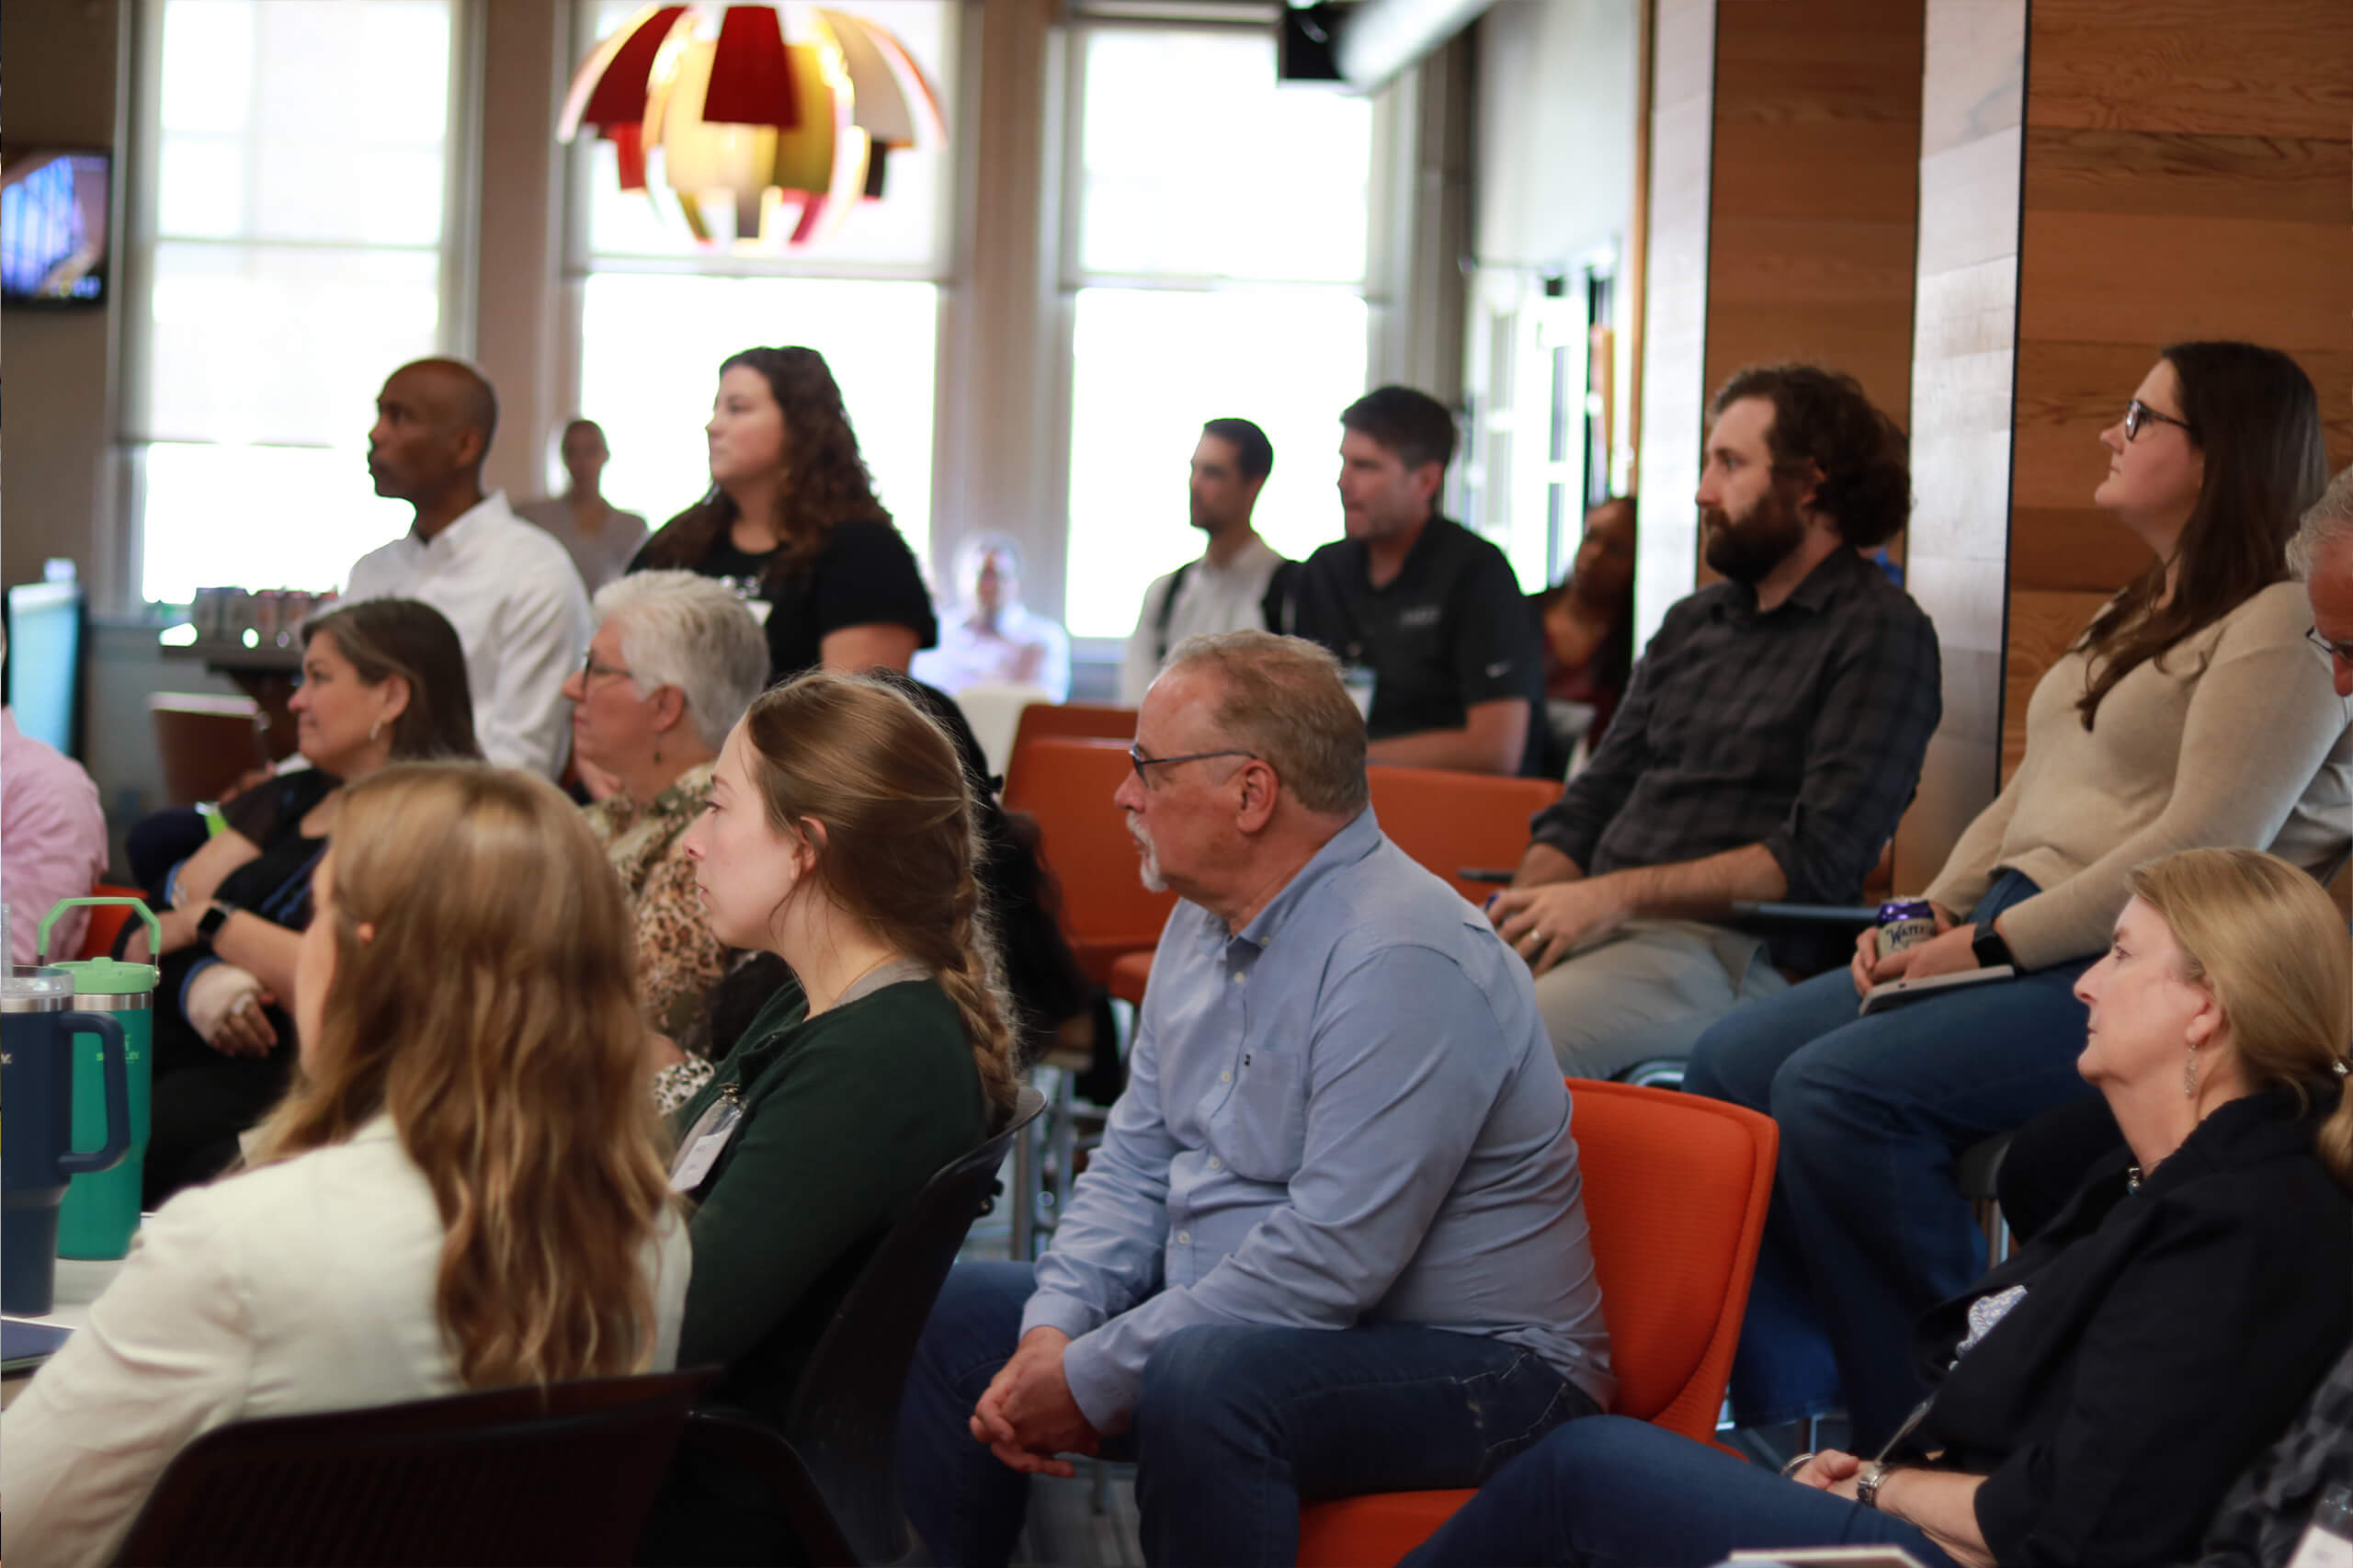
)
(1557, 122)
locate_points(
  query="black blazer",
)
(2165, 1337)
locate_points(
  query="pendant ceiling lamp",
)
(713, 104)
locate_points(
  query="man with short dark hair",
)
(1770, 738)
(508, 588)
(1426, 614)
(1333, 1241)
(1239, 583)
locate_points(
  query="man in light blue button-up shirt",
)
(1333, 1241)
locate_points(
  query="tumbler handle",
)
(155, 927)
(113, 1061)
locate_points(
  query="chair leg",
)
(1025, 1195)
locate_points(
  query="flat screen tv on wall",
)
(54, 244)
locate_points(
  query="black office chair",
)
(564, 1474)
(830, 1467)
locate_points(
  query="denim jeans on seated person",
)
(1234, 1428)
(1613, 1491)
(1868, 1229)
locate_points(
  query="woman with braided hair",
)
(839, 835)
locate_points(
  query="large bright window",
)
(1217, 265)
(290, 239)
(659, 312)
(652, 344)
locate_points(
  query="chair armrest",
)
(1809, 913)
(738, 1437)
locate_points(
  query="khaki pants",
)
(1649, 989)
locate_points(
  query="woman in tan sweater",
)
(2191, 712)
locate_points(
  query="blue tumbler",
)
(37, 1153)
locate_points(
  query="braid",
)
(966, 962)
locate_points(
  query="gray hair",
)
(1284, 701)
(685, 630)
(2328, 521)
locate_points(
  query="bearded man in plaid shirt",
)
(1770, 738)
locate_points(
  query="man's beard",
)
(1746, 548)
(1148, 862)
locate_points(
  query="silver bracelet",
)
(1790, 1470)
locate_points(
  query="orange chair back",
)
(107, 920)
(1446, 821)
(1073, 720)
(1066, 786)
(1676, 1188)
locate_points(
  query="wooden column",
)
(1811, 217)
(1784, 162)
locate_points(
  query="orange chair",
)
(1066, 786)
(1070, 721)
(1129, 973)
(1446, 821)
(1674, 1190)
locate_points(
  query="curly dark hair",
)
(1822, 418)
(830, 481)
(2256, 420)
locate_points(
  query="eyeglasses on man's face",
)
(2335, 650)
(1139, 760)
(2137, 413)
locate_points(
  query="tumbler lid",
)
(110, 977)
(35, 988)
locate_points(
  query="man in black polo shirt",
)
(1419, 607)
(1770, 738)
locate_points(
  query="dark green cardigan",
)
(846, 1116)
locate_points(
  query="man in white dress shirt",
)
(510, 590)
(1231, 587)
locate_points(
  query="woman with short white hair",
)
(675, 660)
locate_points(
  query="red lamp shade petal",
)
(609, 88)
(750, 82)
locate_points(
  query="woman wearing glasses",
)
(2191, 712)
(676, 660)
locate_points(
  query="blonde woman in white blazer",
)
(468, 933)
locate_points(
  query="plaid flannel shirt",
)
(1802, 728)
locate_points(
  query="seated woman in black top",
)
(383, 681)
(790, 521)
(2094, 1395)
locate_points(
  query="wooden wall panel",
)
(2186, 168)
(1963, 358)
(1812, 215)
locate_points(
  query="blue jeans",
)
(1868, 1229)
(1233, 1426)
(1615, 1491)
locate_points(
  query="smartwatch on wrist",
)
(1867, 1486)
(208, 925)
(1989, 949)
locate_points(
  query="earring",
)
(2189, 1074)
(657, 749)
(375, 729)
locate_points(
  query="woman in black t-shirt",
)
(791, 522)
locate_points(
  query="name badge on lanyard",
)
(699, 1150)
